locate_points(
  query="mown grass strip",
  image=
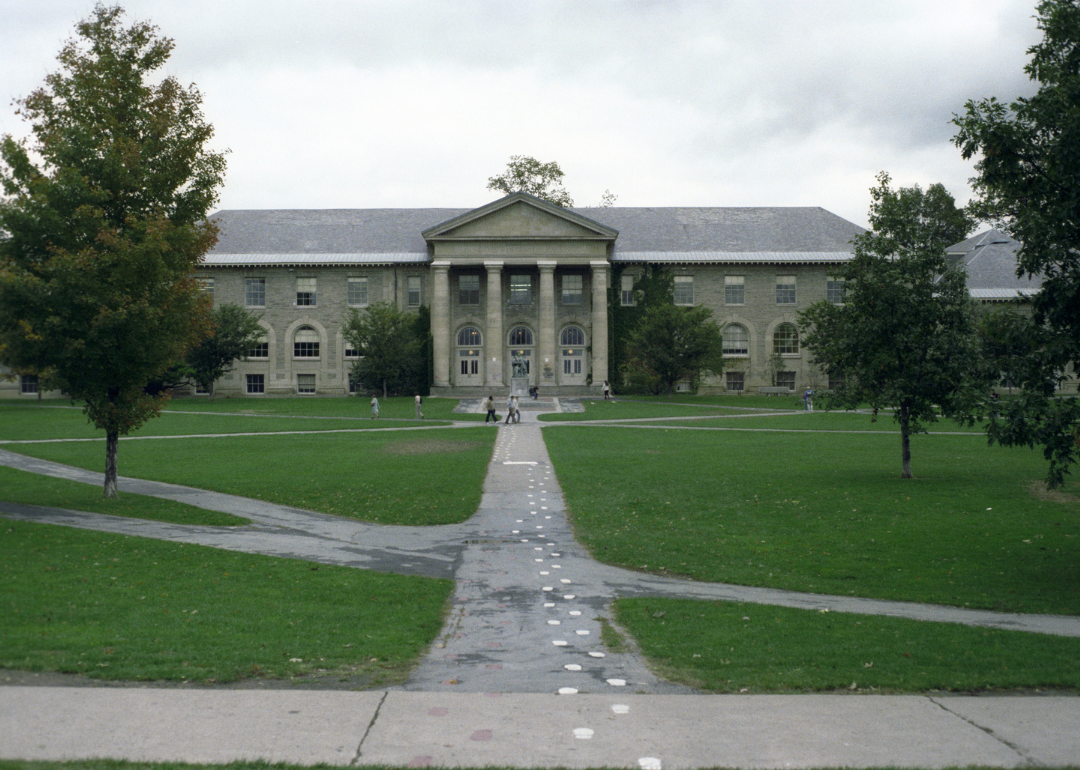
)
(33, 489)
(725, 647)
(126, 608)
(825, 513)
(417, 478)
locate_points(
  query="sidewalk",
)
(414, 729)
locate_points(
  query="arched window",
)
(521, 335)
(306, 343)
(736, 340)
(785, 340)
(470, 335)
(572, 335)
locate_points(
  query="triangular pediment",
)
(520, 217)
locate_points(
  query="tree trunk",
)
(905, 442)
(384, 389)
(112, 439)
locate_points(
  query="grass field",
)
(825, 513)
(115, 607)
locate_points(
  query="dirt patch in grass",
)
(1040, 491)
(428, 446)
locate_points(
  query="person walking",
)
(418, 401)
(509, 410)
(490, 406)
(517, 409)
(374, 407)
(607, 390)
(808, 400)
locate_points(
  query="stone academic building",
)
(518, 289)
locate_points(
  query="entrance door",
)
(574, 370)
(470, 358)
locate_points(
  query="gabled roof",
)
(651, 234)
(548, 221)
(990, 260)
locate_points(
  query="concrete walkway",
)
(519, 675)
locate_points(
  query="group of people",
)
(513, 410)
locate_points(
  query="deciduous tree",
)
(1028, 183)
(904, 337)
(234, 331)
(103, 218)
(670, 344)
(390, 348)
(525, 174)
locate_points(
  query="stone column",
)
(440, 323)
(493, 334)
(545, 354)
(600, 272)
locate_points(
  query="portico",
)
(519, 298)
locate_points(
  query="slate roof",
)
(990, 261)
(662, 234)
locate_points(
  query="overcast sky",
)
(416, 103)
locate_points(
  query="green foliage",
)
(234, 331)
(904, 338)
(1028, 182)
(528, 175)
(104, 216)
(670, 344)
(1022, 353)
(392, 345)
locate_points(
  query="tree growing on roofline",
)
(1028, 185)
(904, 337)
(528, 175)
(104, 216)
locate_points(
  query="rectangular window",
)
(351, 352)
(305, 292)
(836, 381)
(785, 380)
(734, 290)
(255, 292)
(469, 290)
(572, 289)
(414, 291)
(684, 290)
(736, 381)
(627, 286)
(520, 289)
(206, 285)
(358, 296)
(28, 383)
(305, 383)
(256, 383)
(261, 350)
(785, 290)
(834, 290)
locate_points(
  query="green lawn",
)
(115, 607)
(825, 513)
(416, 478)
(634, 410)
(34, 489)
(726, 647)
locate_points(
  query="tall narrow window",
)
(834, 290)
(786, 340)
(469, 290)
(255, 292)
(785, 290)
(572, 289)
(520, 289)
(684, 290)
(626, 283)
(306, 343)
(414, 291)
(358, 292)
(305, 292)
(734, 290)
(736, 340)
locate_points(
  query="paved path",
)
(524, 627)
